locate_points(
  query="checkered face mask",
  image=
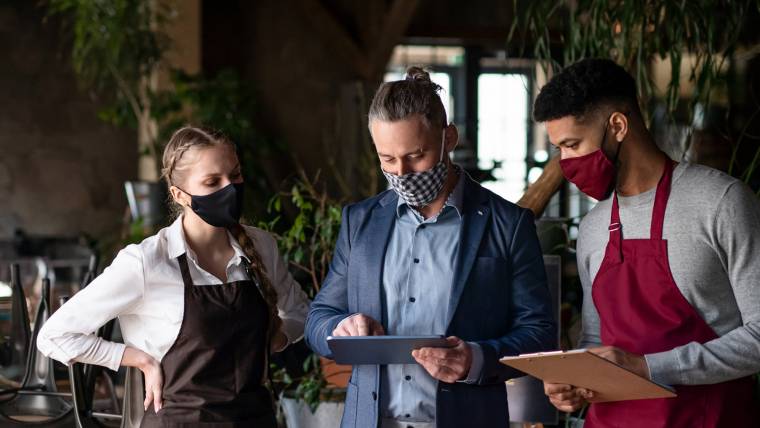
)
(418, 189)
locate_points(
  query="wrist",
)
(136, 358)
(644, 368)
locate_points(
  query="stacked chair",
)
(37, 401)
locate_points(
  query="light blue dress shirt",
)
(417, 279)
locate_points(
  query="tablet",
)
(381, 349)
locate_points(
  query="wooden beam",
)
(338, 40)
(537, 197)
(394, 26)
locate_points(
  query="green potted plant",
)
(314, 396)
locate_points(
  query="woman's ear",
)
(179, 196)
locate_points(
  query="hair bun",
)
(417, 74)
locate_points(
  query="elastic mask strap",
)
(443, 144)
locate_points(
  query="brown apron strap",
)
(186, 278)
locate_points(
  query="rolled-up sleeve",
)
(70, 333)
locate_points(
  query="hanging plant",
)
(116, 49)
(696, 36)
(633, 34)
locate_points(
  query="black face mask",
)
(221, 208)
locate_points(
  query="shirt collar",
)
(177, 245)
(455, 199)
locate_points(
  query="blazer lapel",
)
(372, 249)
(474, 221)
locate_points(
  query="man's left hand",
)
(632, 362)
(446, 364)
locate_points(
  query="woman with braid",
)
(201, 304)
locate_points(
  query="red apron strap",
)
(616, 229)
(661, 201)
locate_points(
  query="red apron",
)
(642, 311)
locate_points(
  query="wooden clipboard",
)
(581, 368)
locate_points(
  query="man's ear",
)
(452, 137)
(619, 126)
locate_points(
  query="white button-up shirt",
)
(143, 287)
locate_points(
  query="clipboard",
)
(356, 350)
(581, 368)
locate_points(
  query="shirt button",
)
(407, 377)
(408, 415)
(422, 226)
(374, 395)
(416, 260)
(412, 299)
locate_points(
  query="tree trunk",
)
(537, 197)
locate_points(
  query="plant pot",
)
(298, 415)
(336, 375)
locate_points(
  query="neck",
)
(202, 237)
(436, 206)
(640, 165)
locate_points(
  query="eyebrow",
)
(564, 141)
(418, 151)
(217, 174)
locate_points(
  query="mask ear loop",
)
(617, 227)
(443, 143)
(620, 144)
(182, 190)
(617, 152)
(187, 193)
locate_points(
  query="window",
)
(441, 78)
(503, 121)
(496, 132)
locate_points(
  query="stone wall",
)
(61, 169)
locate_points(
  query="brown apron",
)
(214, 373)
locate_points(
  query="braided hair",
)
(189, 138)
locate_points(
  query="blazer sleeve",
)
(533, 328)
(330, 305)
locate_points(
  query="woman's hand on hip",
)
(151, 368)
(279, 342)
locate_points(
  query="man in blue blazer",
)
(435, 254)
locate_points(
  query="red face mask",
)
(593, 173)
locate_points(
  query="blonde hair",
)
(182, 141)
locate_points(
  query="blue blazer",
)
(499, 299)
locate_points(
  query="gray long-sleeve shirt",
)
(712, 225)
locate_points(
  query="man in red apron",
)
(668, 260)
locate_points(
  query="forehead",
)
(212, 159)
(400, 135)
(568, 127)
